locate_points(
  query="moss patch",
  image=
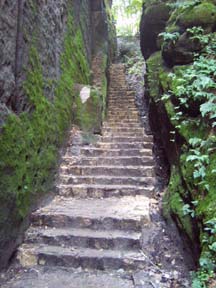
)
(200, 15)
(29, 142)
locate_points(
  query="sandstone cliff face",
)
(46, 48)
(179, 119)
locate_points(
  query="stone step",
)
(124, 145)
(86, 258)
(146, 182)
(119, 122)
(95, 152)
(120, 139)
(62, 277)
(124, 112)
(108, 133)
(85, 238)
(122, 129)
(121, 125)
(122, 119)
(103, 191)
(129, 213)
(122, 99)
(122, 106)
(147, 160)
(128, 112)
(133, 171)
(134, 115)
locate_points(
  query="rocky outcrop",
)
(179, 119)
(47, 47)
(153, 22)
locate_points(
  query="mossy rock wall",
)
(177, 126)
(39, 67)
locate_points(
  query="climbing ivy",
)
(194, 86)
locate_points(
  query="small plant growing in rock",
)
(170, 37)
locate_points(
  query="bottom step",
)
(52, 277)
(45, 255)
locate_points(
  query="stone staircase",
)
(98, 220)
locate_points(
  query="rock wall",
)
(181, 111)
(47, 49)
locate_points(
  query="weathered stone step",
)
(88, 238)
(121, 106)
(122, 119)
(122, 129)
(147, 160)
(103, 191)
(108, 180)
(86, 258)
(129, 112)
(124, 145)
(119, 122)
(126, 115)
(133, 171)
(120, 139)
(123, 134)
(95, 152)
(62, 277)
(122, 124)
(125, 213)
(121, 99)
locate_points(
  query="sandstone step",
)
(122, 129)
(120, 97)
(133, 171)
(103, 191)
(134, 115)
(101, 239)
(123, 122)
(108, 180)
(130, 213)
(124, 145)
(124, 113)
(86, 258)
(129, 126)
(108, 133)
(122, 119)
(62, 277)
(120, 139)
(147, 160)
(95, 152)
(122, 106)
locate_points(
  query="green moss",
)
(154, 64)
(173, 203)
(206, 206)
(203, 14)
(28, 142)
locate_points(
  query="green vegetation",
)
(188, 94)
(127, 12)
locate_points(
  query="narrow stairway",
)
(98, 220)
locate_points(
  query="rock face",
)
(47, 47)
(153, 22)
(189, 31)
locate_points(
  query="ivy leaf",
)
(195, 141)
(213, 247)
(206, 108)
